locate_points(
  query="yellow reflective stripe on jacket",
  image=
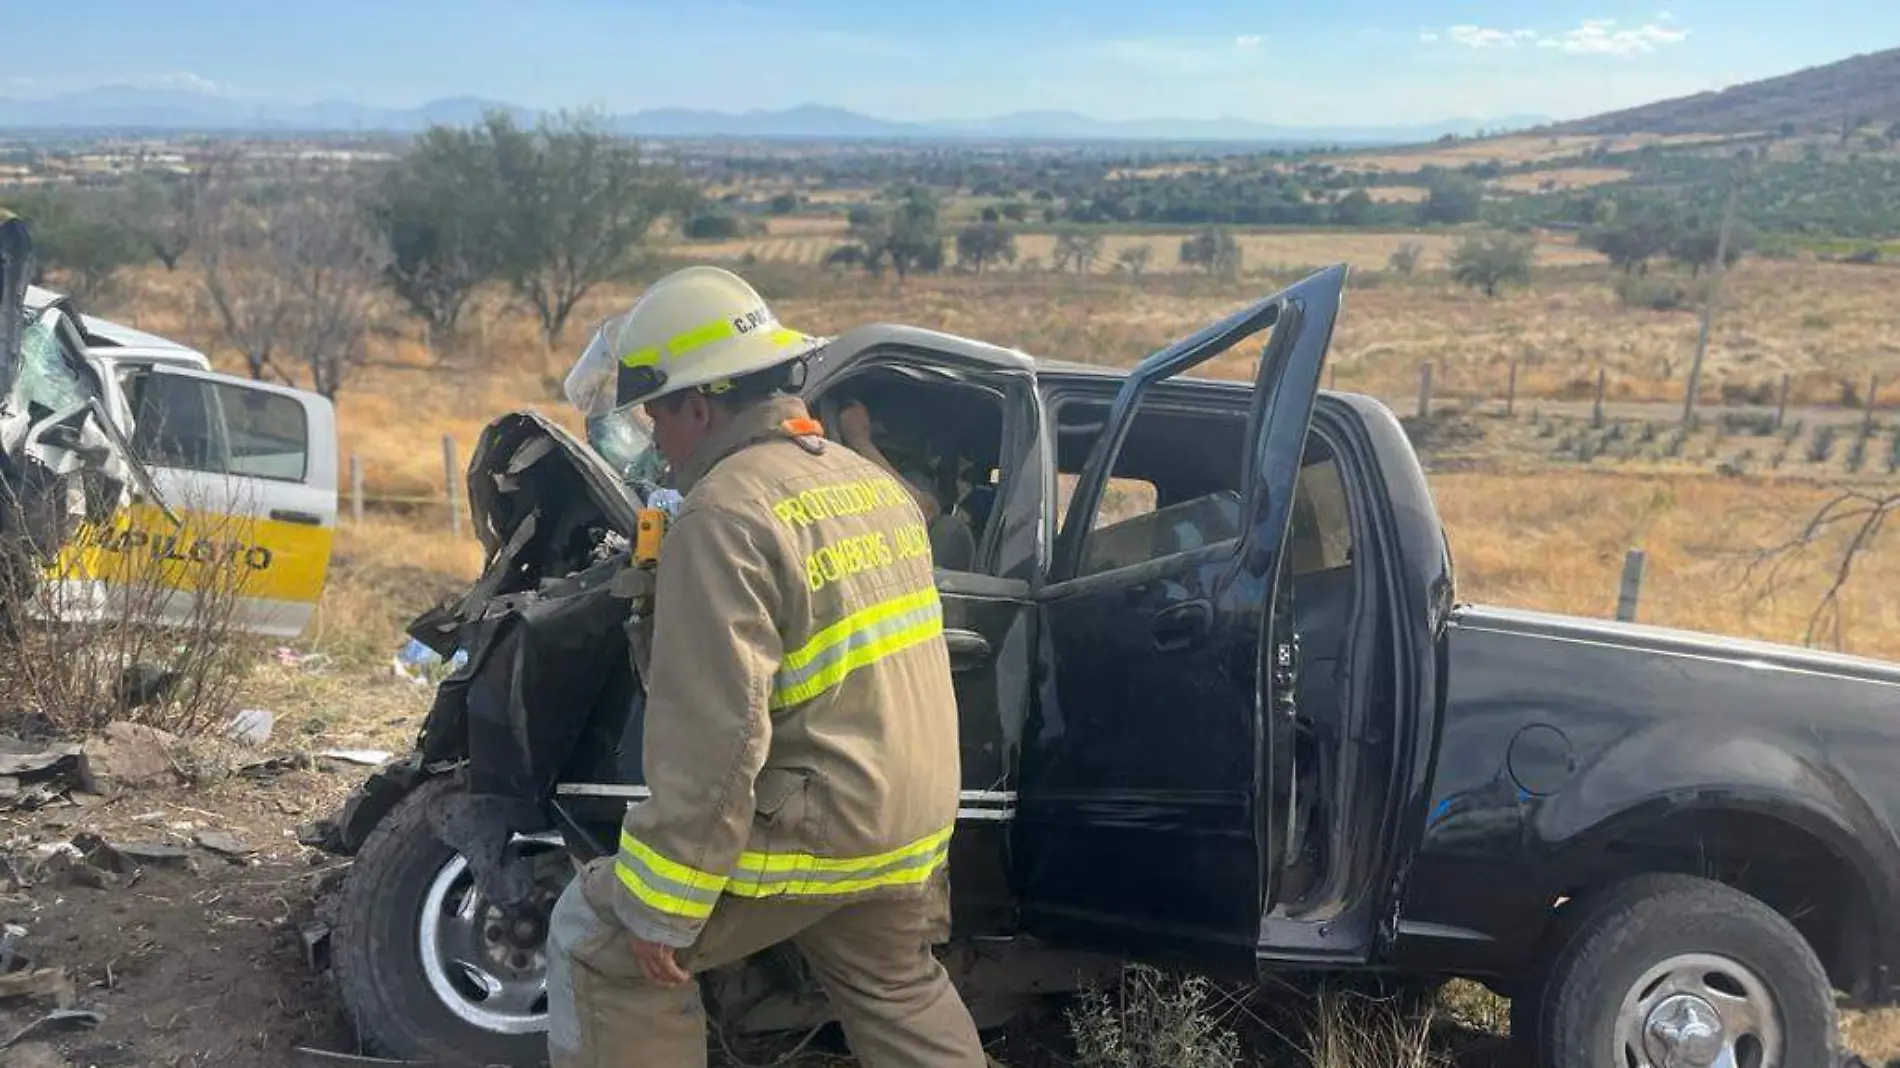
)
(862, 638)
(806, 875)
(666, 885)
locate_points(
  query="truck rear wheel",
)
(426, 967)
(1669, 970)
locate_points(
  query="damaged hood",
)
(63, 459)
(522, 463)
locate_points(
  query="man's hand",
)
(659, 963)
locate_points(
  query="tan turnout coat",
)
(801, 730)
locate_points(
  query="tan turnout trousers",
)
(872, 957)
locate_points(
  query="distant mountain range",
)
(130, 109)
(1864, 87)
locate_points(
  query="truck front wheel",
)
(426, 967)
(1668, 970)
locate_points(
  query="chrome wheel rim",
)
(1698, 1010)
(487, 966)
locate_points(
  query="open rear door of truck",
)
(1156, 784)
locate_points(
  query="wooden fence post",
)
(448, 477)
(356, 489)
(1596, 415)
(1631, 587)
(1510, 391)
(1781, 405)
(1424, 390)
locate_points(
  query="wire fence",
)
(449, 501)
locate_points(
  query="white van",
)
(204, 470)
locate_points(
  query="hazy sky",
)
(1324, 61)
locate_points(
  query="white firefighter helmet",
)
(697, 328)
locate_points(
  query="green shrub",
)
(1821, 446)
(1150, 1020)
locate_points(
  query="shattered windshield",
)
(47, 380)
(625, 441)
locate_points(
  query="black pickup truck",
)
(1222, 711)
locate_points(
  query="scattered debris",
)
(323, 1058)
(422, 665)
(145, 684)
(313, 663)
(36, 766)
(35, 1055)
(57, 1020)
(275, 766)
(39, 983)
(225, 845)
(67, 868)
(101, 854)
(155, 852)
(10, 937)
(127, 755)
(369, 758)
(252, 726)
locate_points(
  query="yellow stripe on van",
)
(253, 557)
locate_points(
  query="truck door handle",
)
(289, 515)
(1181, 626)
(968, 649)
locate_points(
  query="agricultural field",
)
(1514, 484)
(805, 241)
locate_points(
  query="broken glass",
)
(47, 380)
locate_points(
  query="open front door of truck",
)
(1155, 781)
(251, 470)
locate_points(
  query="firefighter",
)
(801, 731)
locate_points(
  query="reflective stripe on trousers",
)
(675, 889)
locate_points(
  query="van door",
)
(250, 469)
(1154, 794)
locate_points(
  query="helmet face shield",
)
(592, 386)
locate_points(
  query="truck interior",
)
(943, 432)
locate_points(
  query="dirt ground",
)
(198, 961)
(195, 961)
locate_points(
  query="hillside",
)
(1865, 87)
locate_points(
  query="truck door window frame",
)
(1160, 400)
(992, 569)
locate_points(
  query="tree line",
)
(292, 257)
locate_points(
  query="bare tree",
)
(165, 211)
(330, 262)
(1135, 259)
(1078, 248)
(237, 272)
(1856, 515)
(291, 272)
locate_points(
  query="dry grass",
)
(1556, 541)
(1559, 178)
(1829, 326)
(1271, 250)
(1505, 150)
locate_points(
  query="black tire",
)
(1615, 938)
(376, 951)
